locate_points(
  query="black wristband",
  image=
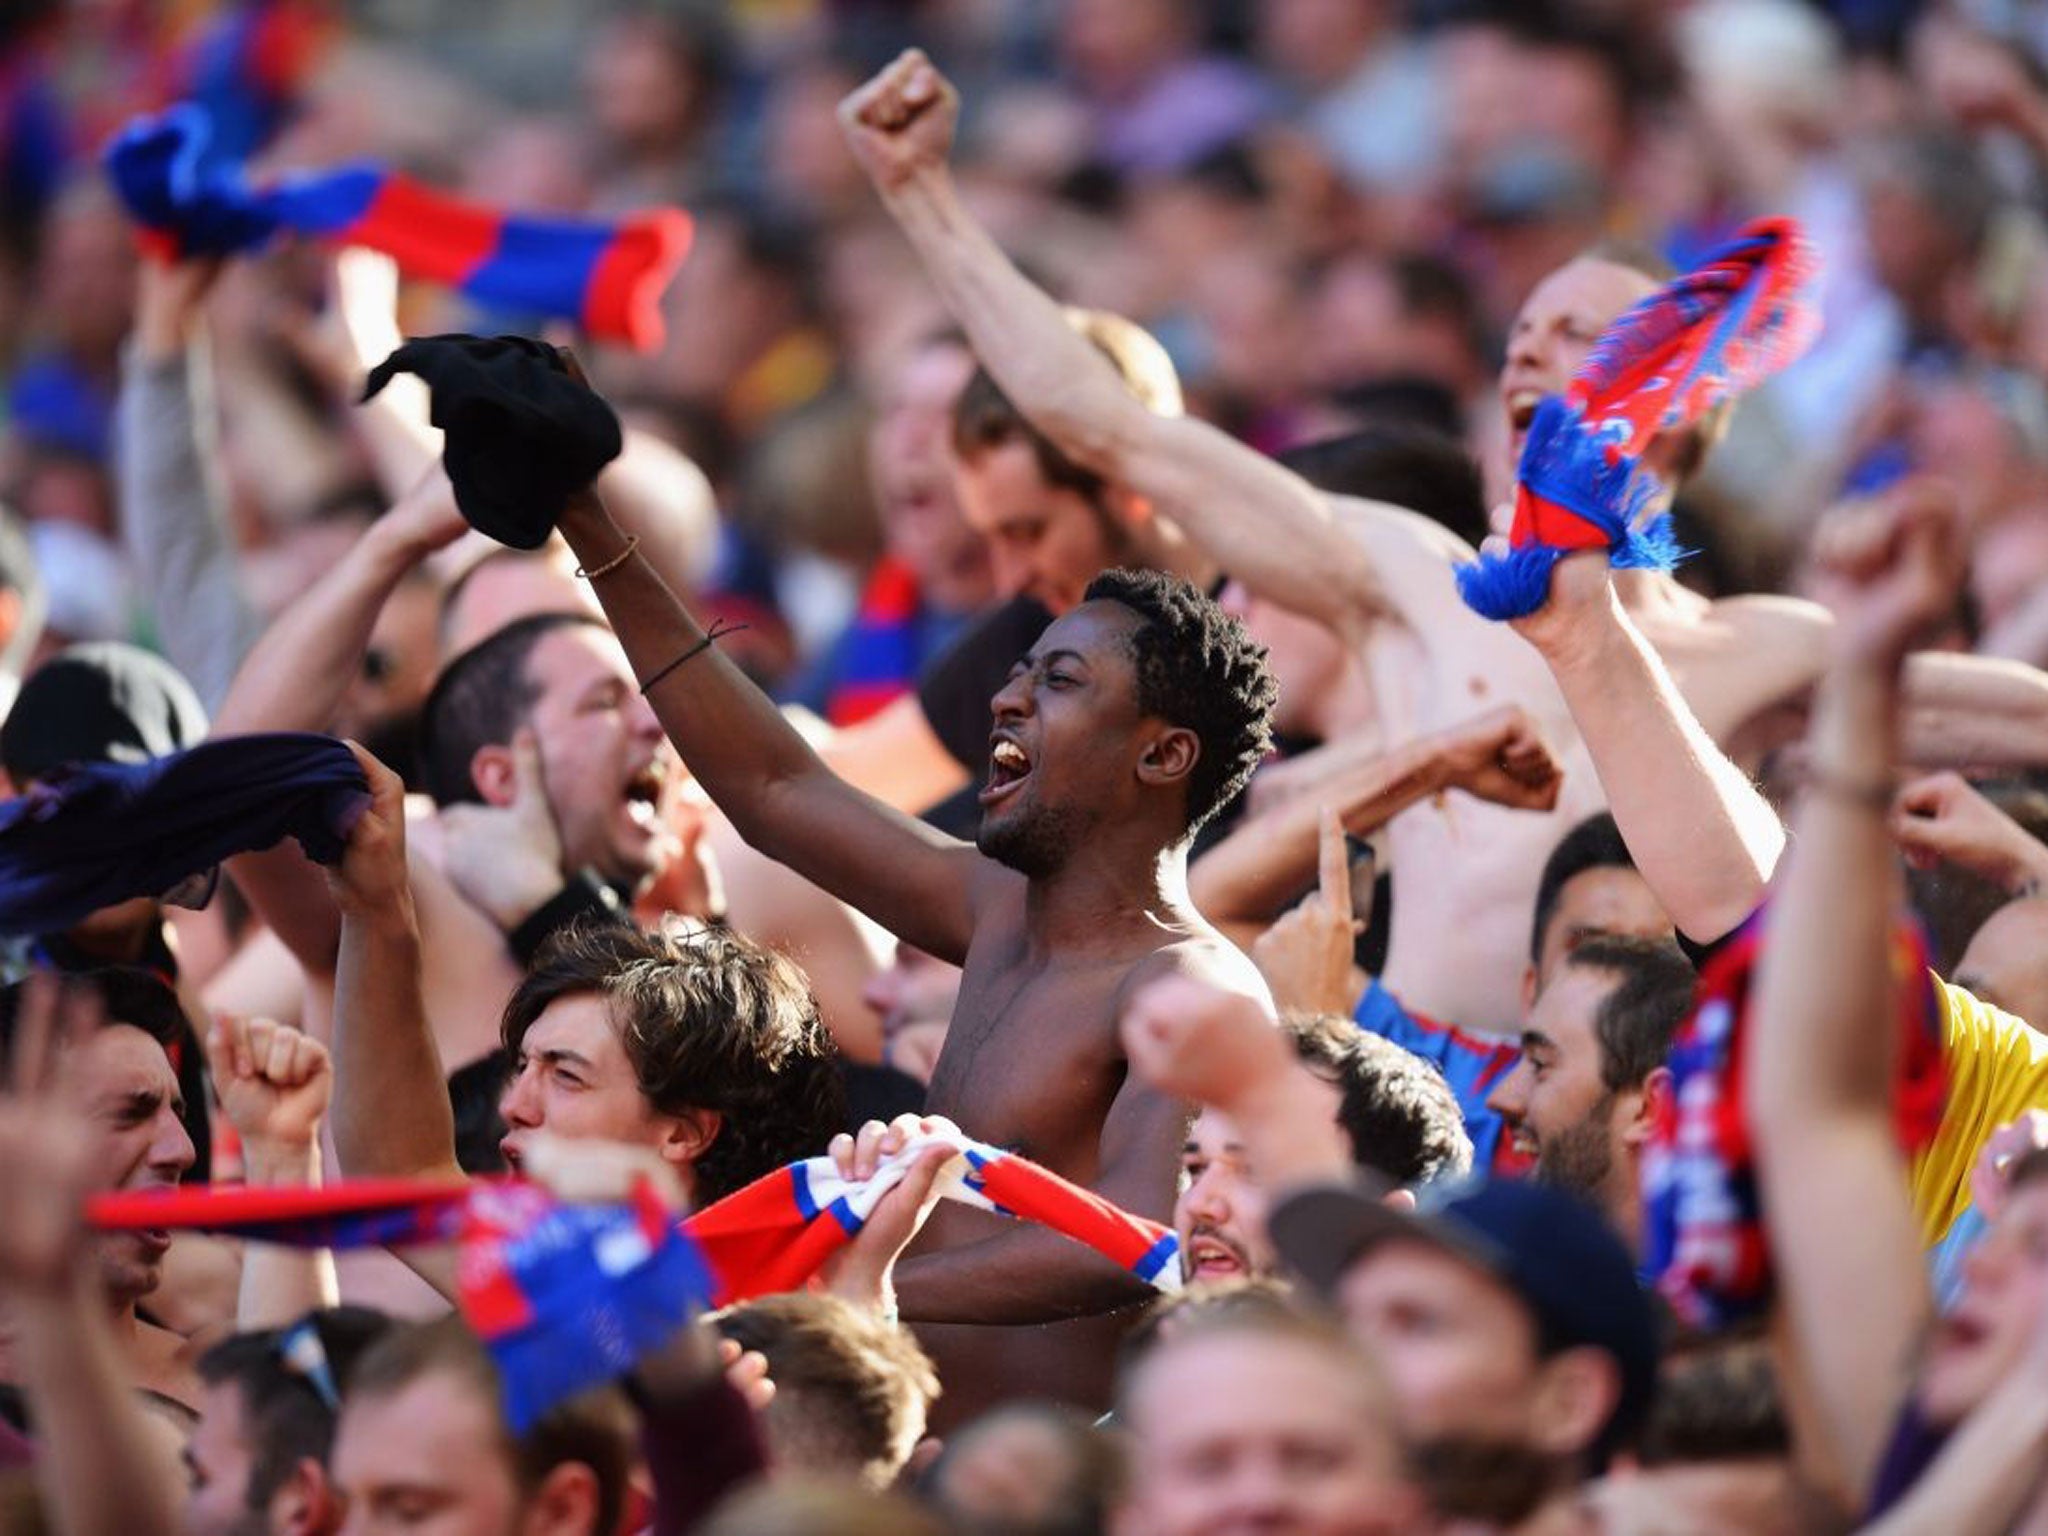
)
(583, 896)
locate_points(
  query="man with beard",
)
(1399, 1119)
(1131, 721)
(1583, 1097)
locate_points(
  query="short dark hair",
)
(851, 1389)
(286, 1418)
(1637, 1020)
(1415, 467)
(1595, 843)
(1197, 668)
(1399, 1114)
(711, 1021)
(126, 994)
(480, 700)
(1074, 1499)
(595, 1429)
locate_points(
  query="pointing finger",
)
(1334, 867)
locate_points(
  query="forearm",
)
(1827, 960)
(1023, 1276)
(1985, 1475)
(1262, 523)
(735, 740)
(1270, 860)
(392, 1117)
(657, 492)
(172, 518)
(296, 676)
(282, 1284)
(1974, 711)
(1703, 837)
(100, 1469)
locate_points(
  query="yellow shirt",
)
(1998, 1069)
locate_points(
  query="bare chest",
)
(1031, 1061)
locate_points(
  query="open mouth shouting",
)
(1009, 765)
(644, 793)
(1210, 1257)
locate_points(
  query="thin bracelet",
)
(1870, 794)
(717, 632)
(632, 543)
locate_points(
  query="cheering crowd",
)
(1111, 767)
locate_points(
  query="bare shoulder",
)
(1202, 955)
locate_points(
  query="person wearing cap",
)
(1516, 1343)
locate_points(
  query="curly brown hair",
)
(710, 1021)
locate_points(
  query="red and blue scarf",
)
(1703, 338)
(1704, 1233)
(567, 1297)
(604, 275)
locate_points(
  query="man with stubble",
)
(1132, 720)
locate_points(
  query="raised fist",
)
(901, 122)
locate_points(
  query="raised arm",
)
(173, 518)
(392, 1118)
(1264, 524)
(760, 771)
(294, 680)
(1702, 835)
(1832, 1178)
(274, 1084)
(1974, 711)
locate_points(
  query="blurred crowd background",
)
(1328, 210)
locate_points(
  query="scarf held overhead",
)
(1700, 340)
(605, 275)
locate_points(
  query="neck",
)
(1103, 892)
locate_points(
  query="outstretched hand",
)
(1891, 568)
(506, 859)
(900, 123)
(1501, 756)
(1306, 956)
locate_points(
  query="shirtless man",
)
(1132, 720)
(1381, 577)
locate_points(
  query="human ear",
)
(1577, 1391)
(1650, 1101)
(495, 773)
(565, 1503)
(1171, 756)
(689, 1135)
